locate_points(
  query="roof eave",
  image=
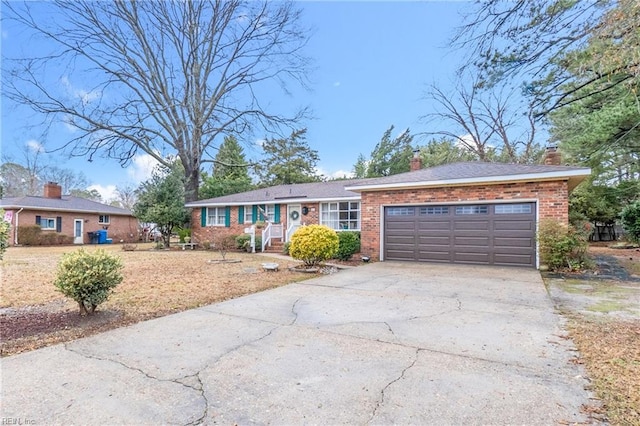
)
(284, 201)
(55, 209)
(574, 177)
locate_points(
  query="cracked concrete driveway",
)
(386, 343)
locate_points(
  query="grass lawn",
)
(34, 314)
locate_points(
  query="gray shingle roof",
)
(475, 172)
(331, 190)
(67, 203)
(464, 173)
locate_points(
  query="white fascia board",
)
(272, 202)
(475, 181)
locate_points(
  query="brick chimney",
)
(416, 161)
(551, 156)
(52, 190)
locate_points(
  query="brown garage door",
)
(489, 234)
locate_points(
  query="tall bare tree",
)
(490, 124)
(168, 78)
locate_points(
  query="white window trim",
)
(47, 219)
(216, 216)
(326, 205)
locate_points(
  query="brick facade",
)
(209, 234)
(119, 228)
(552, 199)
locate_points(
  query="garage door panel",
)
(499, 234)
(471, 241)
(513, 242)
(513, 259)
(434, 256)
(513, 225)
(474, 225)
(425, 241)
(470, 257)
(436, 225)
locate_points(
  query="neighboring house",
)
(473, 212)
(71, 216)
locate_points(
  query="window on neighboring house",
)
(48, 223)
(103, 219)
(215, 216)
(341, 216)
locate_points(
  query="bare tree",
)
(126, 196)
(536, 40)
(167, 78)
(488, 124)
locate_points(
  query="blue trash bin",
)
(102, 236)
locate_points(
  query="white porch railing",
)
(272, 230)
(290, 230)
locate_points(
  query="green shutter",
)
(254, 214)
(276, 215)
(203, 217)
(59, 224)
(38, 220)
(227, 216)
(241, 214)
(262, 218)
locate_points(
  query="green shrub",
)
(183, 234)
(4, 234)
(314, 244)
(563, 247)
(349, 244)
(286, 247)
(243, 242)
(88, 277)
(631, 221)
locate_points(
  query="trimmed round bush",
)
(349, 244)
(88, 277)
(314, 244)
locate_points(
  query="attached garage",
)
(487, 234)
(474, 212)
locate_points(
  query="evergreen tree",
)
(230, 172)
(288, 161)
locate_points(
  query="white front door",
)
(78, 225)
(294, 219)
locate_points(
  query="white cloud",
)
(108, 192)
(141, 167)
(336, 84)
(85, 96)
(34, 145)
(67, 121)
(260, 142)
(338, 174)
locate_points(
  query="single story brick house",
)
(67, 215)
(470, 212)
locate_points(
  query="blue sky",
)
(373, 62)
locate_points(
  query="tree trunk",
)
(83, 308)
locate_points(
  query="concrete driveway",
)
(386, 343)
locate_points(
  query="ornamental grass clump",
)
(314, 244)
(88, 277)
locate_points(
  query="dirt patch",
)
(157, 282)
(603, 308)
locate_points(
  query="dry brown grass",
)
(156, 282)
(610, 351)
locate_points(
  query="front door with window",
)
(294, 219)
(77, 231)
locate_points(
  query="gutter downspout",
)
(15, 238)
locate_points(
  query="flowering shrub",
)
(314, 244)
(88, 277)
